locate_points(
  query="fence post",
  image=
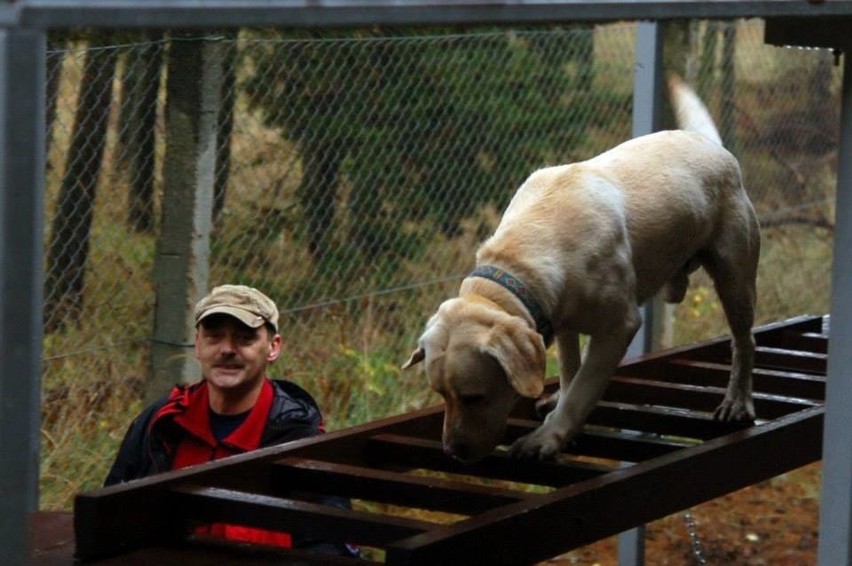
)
(181, 266)
(22, 109)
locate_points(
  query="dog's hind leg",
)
(568, 350)
(734, 278)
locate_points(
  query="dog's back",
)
(667, 191)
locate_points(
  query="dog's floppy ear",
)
(434, 338)
(520, 352)
(416, 357)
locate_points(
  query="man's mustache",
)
(228, 362)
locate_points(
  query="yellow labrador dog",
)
(579, 248)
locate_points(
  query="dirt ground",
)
(774, 523)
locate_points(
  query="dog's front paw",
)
(734, 410)
(541, 444)
(546, 404)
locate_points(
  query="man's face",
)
(233, 356)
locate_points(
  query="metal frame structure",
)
(45, 14)
(835, 543)
(23, 27)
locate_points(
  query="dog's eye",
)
(471, 399)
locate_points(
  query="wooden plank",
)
(670, 421)
(390, 487)
(620, 446)
(778, 333)
(205, 504)
(808, 341)
(778, 382)
(714, 374)
(429, 455)
(796, 360)
(53, 545)
(352, 446)
(766, 355)
(120, 518)
(582, 513)
(718, 349)
(715, 350)
(635, 390)
(216, 552)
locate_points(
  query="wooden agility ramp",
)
(651, 448)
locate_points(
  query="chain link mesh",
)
(356, 174)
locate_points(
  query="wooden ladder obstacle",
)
(650, 449)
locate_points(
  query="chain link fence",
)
(356, 173)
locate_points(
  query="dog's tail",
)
(690, 113)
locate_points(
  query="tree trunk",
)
(226, 124)
(69, 245)
(709, 43)
(318, 192)
(586, 59)
(54, 76)
(141, 86)
(727, 122)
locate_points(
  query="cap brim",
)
(250, 319)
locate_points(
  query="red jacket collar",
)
(247, 436)
(191, 409)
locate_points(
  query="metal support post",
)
(22, 92)
(647, 116)
(647, 89)
(835, 520)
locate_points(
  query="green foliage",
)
(417, 126)
(376, 388)
(354, 380)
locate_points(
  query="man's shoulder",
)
(283, 387)
(294, 412)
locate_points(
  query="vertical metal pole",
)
(181, 268)
(835, 520)
(22, 92)
(647, 96)
(648, 78)
(647, 116)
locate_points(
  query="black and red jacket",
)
(174, 432)
(151, 442)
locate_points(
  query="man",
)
(235, 408)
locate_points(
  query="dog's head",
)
(480, 359)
